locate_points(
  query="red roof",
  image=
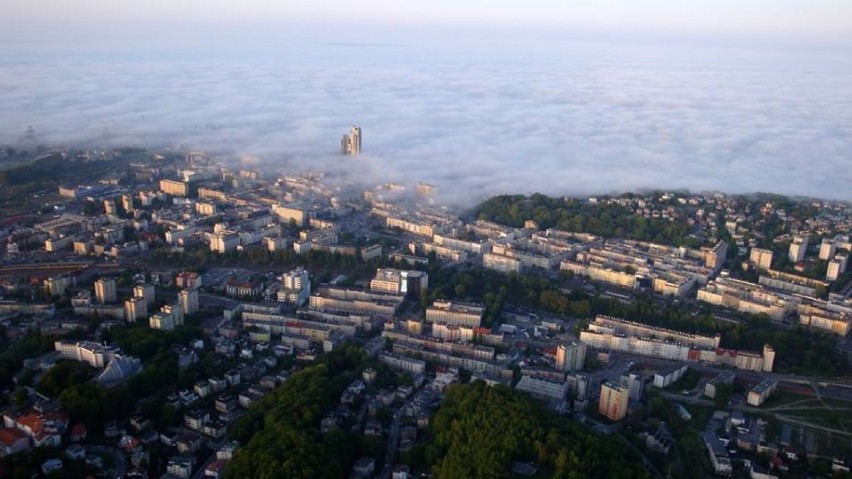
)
(217, 466)
(9, 436)
(79, 430)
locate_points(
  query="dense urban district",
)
(164, 315)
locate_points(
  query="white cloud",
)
(475, 124)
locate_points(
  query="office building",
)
(295, 287)
(93, 354)
(613, 400)
(351, 143)
(399, 281)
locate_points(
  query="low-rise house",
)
(13, 440)
(188, 443)
(202, 388)
(373, 428)
(216, 469)
(196, 419)
(215, 428)
(75, 452)
(181, 466)
(51, 465)
(364, 468)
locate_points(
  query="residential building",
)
(547, 389)
(188, 300)
(827, 249)
(135, 308)
(105, 290)
(613, 400)
(57, 285)
(146, 291)
(762, 258)
(455, 312)
(718, 454)
(12, 441)
(798, 248)
(174, 188)
(242, 288)
(570, 356)
(403, 363)
(668, 376)
(836, 267)
(188, 280)
(724, 378)
(761, 392)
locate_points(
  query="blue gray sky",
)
(809, 18)
(479, 96)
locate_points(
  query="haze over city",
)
(448, 239)
(478, 98)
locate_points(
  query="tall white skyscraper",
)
(351, 143)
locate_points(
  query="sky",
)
(479, 97)
(815, 18)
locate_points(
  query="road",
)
(393, 441)
(752, 410)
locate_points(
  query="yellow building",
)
(613, 401)
(105, 290)
(466, 314)
(174, 188)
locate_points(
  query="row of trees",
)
(570, 214)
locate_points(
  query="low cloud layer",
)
(473, 123)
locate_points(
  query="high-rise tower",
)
(351, 143)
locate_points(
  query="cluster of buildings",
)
(200, 206)
(115, 366)
(782, 297)
(615, 334)
(446, 336)
(666, 270)
(140, 306)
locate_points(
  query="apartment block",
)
(613, 400)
